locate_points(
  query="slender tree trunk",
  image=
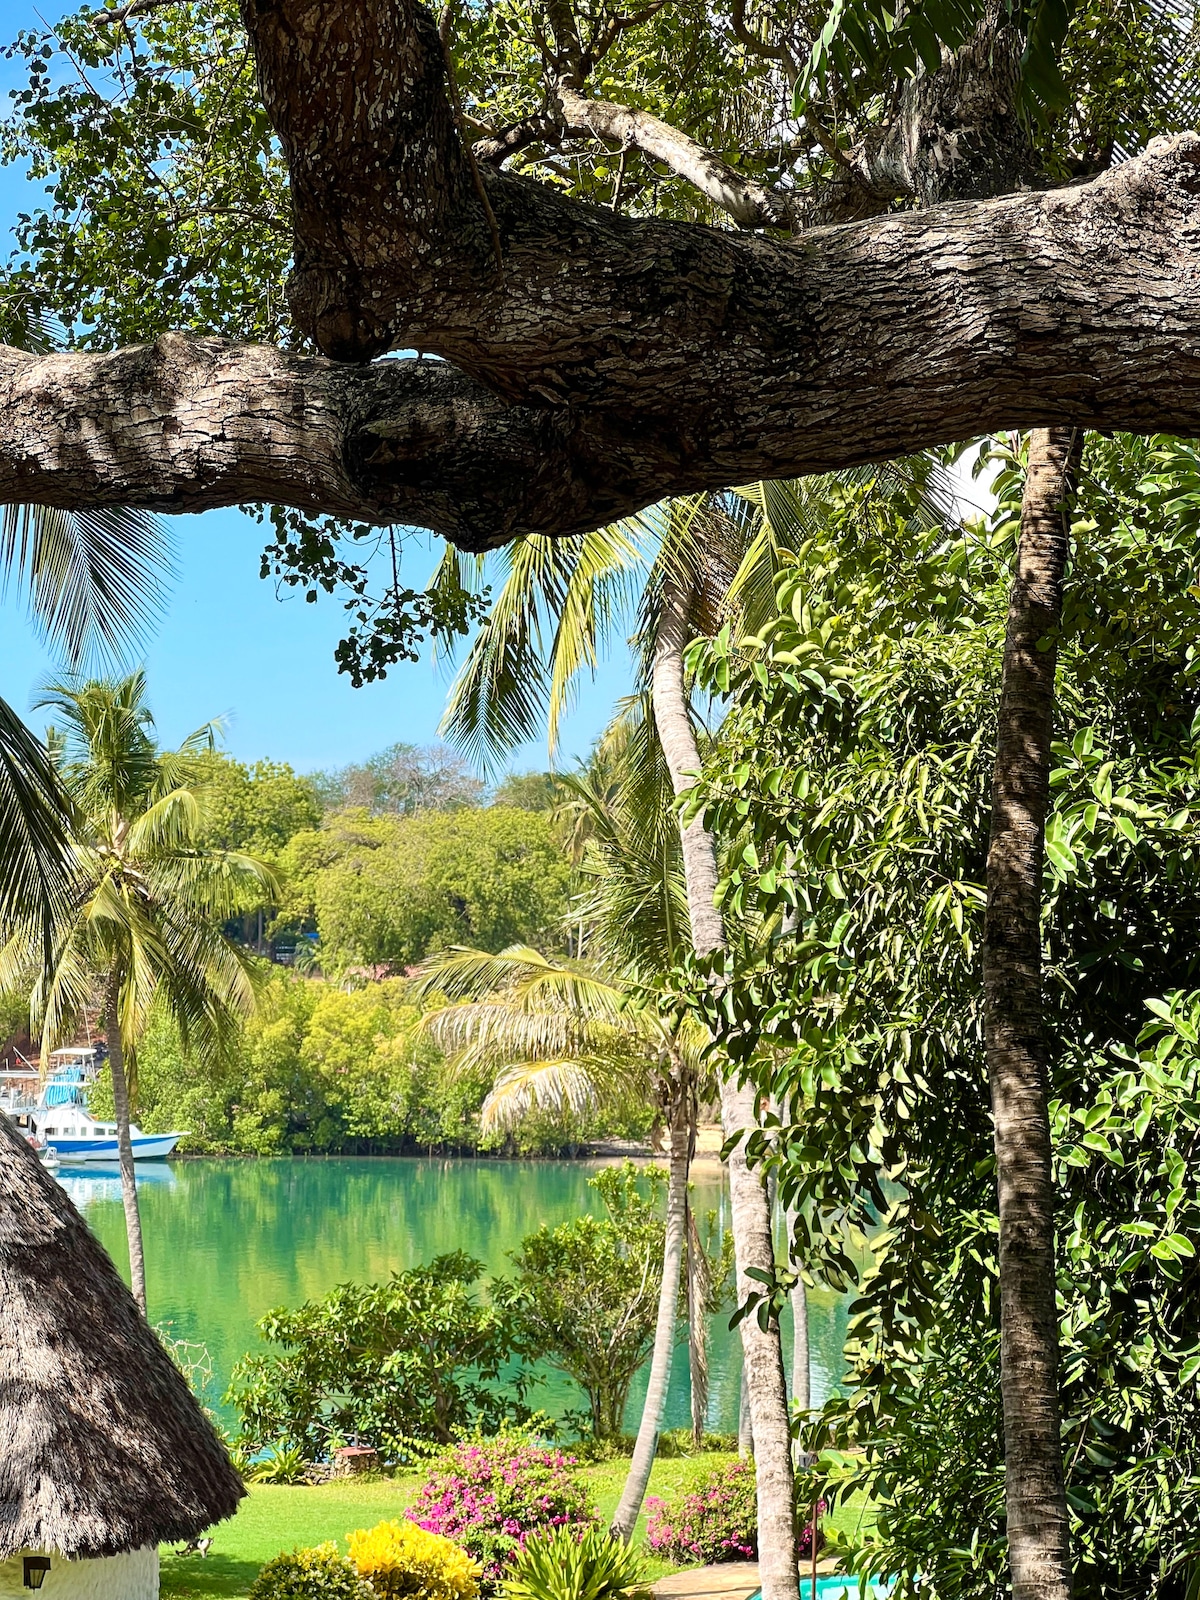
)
(129, 1198)
(745, 1432)
(762, 1354)
(801, 1382)
(646, 1443)
(699, 1281)
(1038, 1523)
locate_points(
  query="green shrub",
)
(419, 1357)
(282, 1464)
(562, 1565)
(316, 1574)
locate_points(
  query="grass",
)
(273, 1518)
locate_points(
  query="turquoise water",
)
(227, 1241)
(835, 1588)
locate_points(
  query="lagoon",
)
(228, 1241)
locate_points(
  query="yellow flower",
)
(399, 1560)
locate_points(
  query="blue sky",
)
(228, 646)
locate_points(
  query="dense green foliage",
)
(321, 1069)
(389, 890)
(417, 1358)
(256, 808)
(853, 774)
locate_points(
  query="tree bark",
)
(646, 1444)
(801, 1361)
(754, 1247)
(1037, 1516)
(698, 1283)
(745, 1434)
(129, 1197)
(685, 359)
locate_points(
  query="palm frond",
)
(550, 620)
(555, 1086)
(34, 824)
(95, 580)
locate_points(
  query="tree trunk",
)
(762, 1354)
(133, 1219)
(646, 1444)
(745, 1434)
(801, 1382)
(1038, 1522)
(698, 1283)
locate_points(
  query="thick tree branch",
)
(853, 344)
(724, 344)
(750, 204)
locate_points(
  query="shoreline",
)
(605, 1151)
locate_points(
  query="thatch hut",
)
(104, 1452)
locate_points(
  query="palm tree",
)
(142, 920)
(559, 1034)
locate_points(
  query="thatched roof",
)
(103, 1447)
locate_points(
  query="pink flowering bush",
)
(715, 1521)
(490, 1495)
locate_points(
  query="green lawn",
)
(272, 1519)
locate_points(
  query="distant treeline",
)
(326, 1070)
(381, 864)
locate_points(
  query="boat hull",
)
(146, 1147)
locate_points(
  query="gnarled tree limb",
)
(852, 344)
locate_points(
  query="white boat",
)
(76, 1136)
(59, 1121)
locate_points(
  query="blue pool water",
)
(836, 1588)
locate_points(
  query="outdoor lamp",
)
(36, 1568)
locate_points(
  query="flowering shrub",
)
(400, 1558)
(489, 1496)
(716, 1521)
(316, 1574)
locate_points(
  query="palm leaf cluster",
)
(562, 604)
(551, 1034)
(146, 899)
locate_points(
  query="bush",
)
(416, 1358)
(282, 1464)
(716, 1521)
(400, 1558)
(316, 1574)
(489, 1496)
(562, 1564)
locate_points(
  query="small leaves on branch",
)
(389, 623)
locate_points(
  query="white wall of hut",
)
(133, 1576)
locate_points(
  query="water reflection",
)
(227, 1241)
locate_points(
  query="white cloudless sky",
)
(229, 646)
